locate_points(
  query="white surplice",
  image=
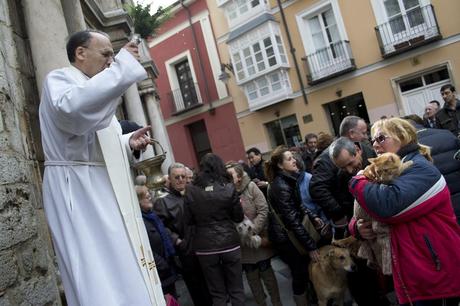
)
(92, 210)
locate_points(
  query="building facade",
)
(370, 58)
(33, 37)
(198, 112)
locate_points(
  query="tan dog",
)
(328, 275)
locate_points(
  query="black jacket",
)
(329, 185)
(449, 119)
(170, 209)
(284, 198)
(443, 147)
(165, 266)
(213, 211)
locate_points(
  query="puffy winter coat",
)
(212, 211)
(284, 198)
(425, 237)
(443, 147)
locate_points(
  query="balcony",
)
(407, 31)
(329, 62)
(185, 98)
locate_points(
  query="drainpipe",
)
(292, 49)
(200, 64)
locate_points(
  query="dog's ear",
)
(344, 243)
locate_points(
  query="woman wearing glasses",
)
(213, 206)
(425, 236)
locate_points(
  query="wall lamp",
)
(224, 76)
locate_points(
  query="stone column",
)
(47, 33)
(73, 15)
(158, 128)
(135, 111)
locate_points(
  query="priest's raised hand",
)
(140, 139)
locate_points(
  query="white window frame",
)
(381, 18)
(269, 30)
(304, 29)
(170, 66)
(242, 17)
(271, 96)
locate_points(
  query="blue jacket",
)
(443, 147)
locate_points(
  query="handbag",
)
(307, 224)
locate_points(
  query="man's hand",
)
(365, 229)
(261, 184)
(140, 139)
(132, 48)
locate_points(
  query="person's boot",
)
(301, 300)
(255, 283)
(269, 278)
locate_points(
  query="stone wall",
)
(27, 273)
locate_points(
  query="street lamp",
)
(224, 76)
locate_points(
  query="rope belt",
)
(74, 163)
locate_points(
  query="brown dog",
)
(328, 275)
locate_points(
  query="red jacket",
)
(425, 237)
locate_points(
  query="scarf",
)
(165, 238)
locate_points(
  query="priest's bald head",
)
(90, 51)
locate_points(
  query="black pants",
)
(195, 281)
(364, 285)
(224, 276)
(298, 264)
(438, 302)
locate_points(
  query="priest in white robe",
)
(103, 252)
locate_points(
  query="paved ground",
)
(282, 275)
(284, 283)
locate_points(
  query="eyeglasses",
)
(380, 139)
(177, 177)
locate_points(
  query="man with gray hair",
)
(354, 128)
(329, 185)
(171, 210)
(329, 189)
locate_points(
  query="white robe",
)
(101, 244)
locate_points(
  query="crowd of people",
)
(230, 219)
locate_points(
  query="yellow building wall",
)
(378, 86)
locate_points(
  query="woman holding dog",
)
(284, 198)
(255, 257)
(425, 237)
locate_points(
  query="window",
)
(284, 131)
(265, 85)
(238, 8)
(186, 96)
(327, 49)
(404, 24)
(258, 57)
(324, 31)
(395, 9)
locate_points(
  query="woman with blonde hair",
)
(425, 237)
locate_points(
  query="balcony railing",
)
(406, 31)
(185, 98)
(329, 62)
